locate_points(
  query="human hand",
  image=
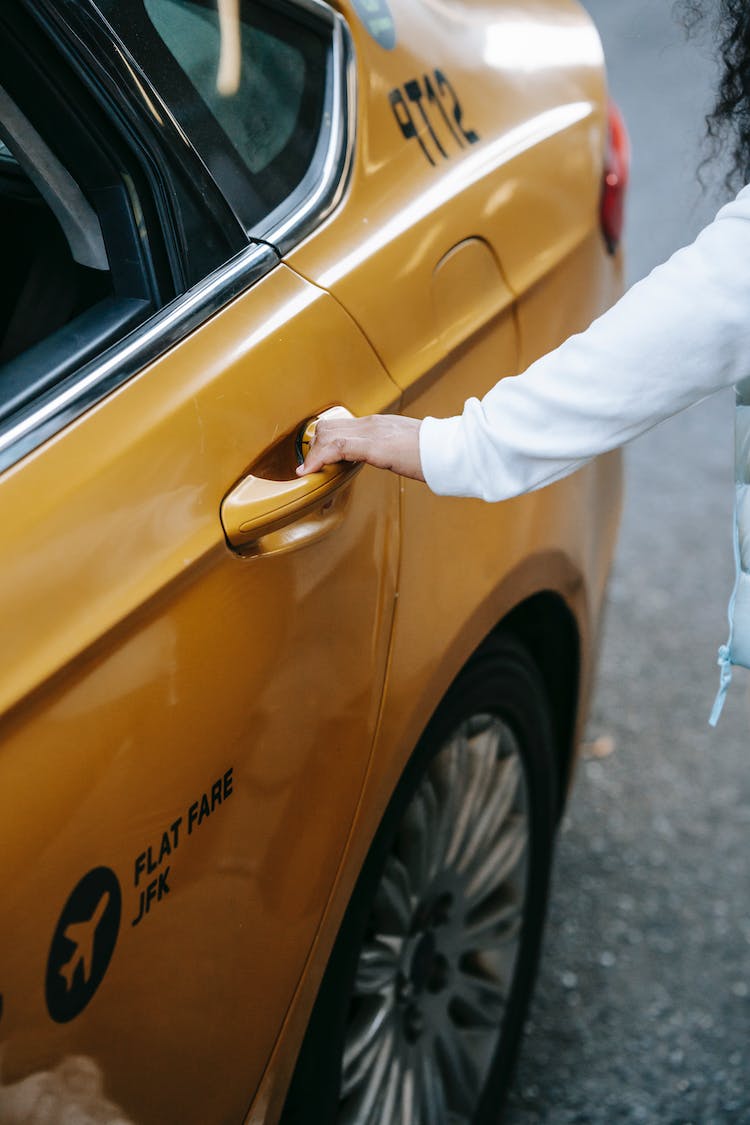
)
(386, 441)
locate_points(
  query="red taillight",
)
(615, 179)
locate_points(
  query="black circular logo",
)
(377, 18)
(83, 944)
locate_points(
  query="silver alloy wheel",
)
(435, 970)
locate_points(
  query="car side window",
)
(64, 297)
(262, 119)
(260, 142)
(42, 286)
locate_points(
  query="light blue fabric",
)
(736, 652)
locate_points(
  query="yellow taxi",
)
(281, 758)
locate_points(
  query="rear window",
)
(260, 142)
(261, 120)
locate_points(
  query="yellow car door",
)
(194, 640)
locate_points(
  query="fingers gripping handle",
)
(306, 432)
(258, 506)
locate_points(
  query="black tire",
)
(502, 682)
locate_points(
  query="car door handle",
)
(258, 506)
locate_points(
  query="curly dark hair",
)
(729, 120)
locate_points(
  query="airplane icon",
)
(83, 935)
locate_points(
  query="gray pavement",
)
(642, 1010)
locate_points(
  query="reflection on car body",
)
(282, 758)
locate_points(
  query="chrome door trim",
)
(26, 430)
(325, 182)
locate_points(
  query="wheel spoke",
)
(486, 741)
(418, 829)
(390, 1114)
(393, 906)
(368, 1026)
(366, 1105)
(478, 766)
(498, 804)
(477, 1003)
(355, 1073)
(491, 924)
(410, 1109)
(458, 1072)
(433, 1109)
(498, 863)
(376, 969)
(446, 772)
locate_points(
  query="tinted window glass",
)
(260, 121)
(42, 287)
(260, 142)
(77, 272)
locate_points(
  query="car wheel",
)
(421, 1009)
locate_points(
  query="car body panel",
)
(505, 555)
(527, 185)
(480, 275)
(169, 661)
(145, 660)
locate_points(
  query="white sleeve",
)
(675, 337)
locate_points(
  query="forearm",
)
(677, 336)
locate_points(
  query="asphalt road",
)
(642, 1010)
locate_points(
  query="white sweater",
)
(675, 337)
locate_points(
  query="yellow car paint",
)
(218, 712)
